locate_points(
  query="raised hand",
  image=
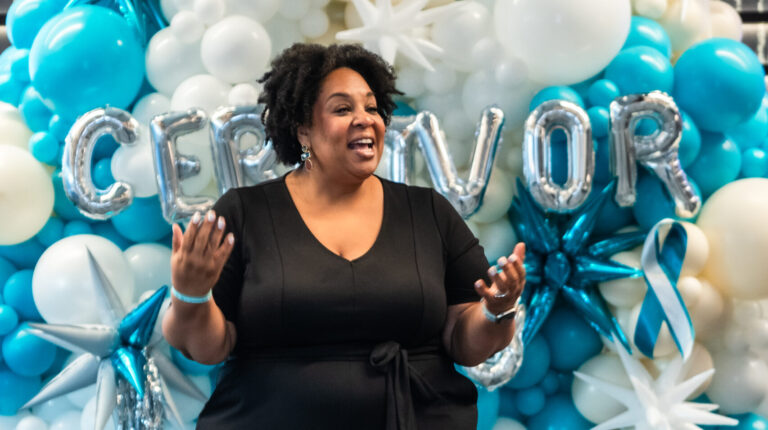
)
(506, 284)
(199, 254)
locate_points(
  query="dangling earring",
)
(305, 157)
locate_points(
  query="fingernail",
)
(221, 223)
(210, 216)
(231, 238)
(492, 271)
(513, 258)
(196, 218)
(502, 261)
(478, 284)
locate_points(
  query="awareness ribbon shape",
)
(662, 260)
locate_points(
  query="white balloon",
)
(707, 312)
(67, 421)
(170, 61)
(15, 130)
(440, 80)
(64, 287)
(685, 29)
(497, 199)
(511, 72)
(243, 95)
(151, 266)
(26, 195)
(504, 423)
(460, 131)
(209, 11)
(201, 91)
(498, 238)
(485, 52)
(294, 10)
(236, 49)
(481, 90)
(724, 20)
(562, 41)
(591, 402)
(187, 27)
(283, 33)
(458, 33)
(653, 9)
(53, 408)
(88, 417)
(733, 220)
(149, 106)
(197, 145)
(699, 361)
(81, 397)
(32, 423)
(410, 80)
(185, 4)
(135, 165)
(758, 334)
(260, 10)
(169, 9)
(314, 24)
(188, 407)
(696, 253)
(690, 290)
(625, 292)
(740, 381)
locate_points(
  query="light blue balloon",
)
(102, 173)
(487, 409)
(61, 204)
(556, 93)
(20, 67)
(23, 255)
(26, 18)
(87, 57)
(641, 69)
(142, 221)
(582, 88)
(52, 231)
(718, 163)
(35, 113)
(754, 163)
(106, 230)
(653, 202)
(531, 400)
(571, 340)
(26, 354)
(536, 360)
(647, 32)
(602, 93)
(719, 82)
(75, 227)
(190, 366)
(559, 413)
(600, 119)
(690, 141)
(752, 132)
(17, 292)
(9, 319)
(15, 390)
(59, 127)
(10, 89)
(44, 147)
(6, 271)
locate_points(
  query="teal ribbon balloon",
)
(662, 260)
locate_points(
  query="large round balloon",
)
(26, 195)
(151, 266)
(86, 57)
(64, 285)
(236, 49)
(563, 41)
(592, 402)
(733, 220)
(739, 383)
(719, 82)
(26, 17)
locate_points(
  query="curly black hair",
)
(293, 83)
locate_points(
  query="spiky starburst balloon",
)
(560, 261)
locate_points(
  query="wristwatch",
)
(503, 316)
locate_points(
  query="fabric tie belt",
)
(388, 358)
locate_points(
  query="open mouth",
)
(365, 143)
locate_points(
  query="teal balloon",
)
(87, 57)
(52, 231)
(641, 69)
(142, 221)
(582, 88)
(34, 111)
(556, 93)
(106, 230)
(487, 409)
(17, 292)
(647, 32)
(531, 400)
(26, 17)
(571, 340)
(754, 163)
(507, 403)
(752, 132)
(611, 217)
(10, 89)
(188, 365)
(536, 360)
(720, 83)
(718, 163)
(559, 413)
(16, 390)
(61, 204)
(44, 147)
(20, 67)
(9, 319)
(690, 141)
(102, 173)
(75, 227)
(23, 255)
(602, 93)
(6, 270)
(403, 109)
(59, 127)
(600, 119)
(603, 173)
(26, 354)
(653, 202)
(105, 147)
(551, 383)
(749, 421)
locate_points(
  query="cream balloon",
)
(690, 290)
(699, 361)
(740, 381)
(64, 286)
(697, 250)
(151, 266)
(724, 21)
(685, 29)
(625, 292)
(26, 195)
(15, 130)
(733, 220)
(135, 165)
(562, 41)
(236, 49)
(260, 10)
(170, 61)
(200, 91)
(665, 345)
(707, 313)
(591, 402)
(653, 9)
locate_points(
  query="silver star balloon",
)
(132, 376)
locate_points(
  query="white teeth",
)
(365, 141)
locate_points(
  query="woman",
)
(342, 300)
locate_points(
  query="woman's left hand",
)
(506, 284)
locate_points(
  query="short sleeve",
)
(465, 257)
(226, 291)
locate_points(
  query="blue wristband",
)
(192, 299)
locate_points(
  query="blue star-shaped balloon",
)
(120, 348)
(145, 16)
(559, 260)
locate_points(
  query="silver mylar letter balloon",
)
(657, 152)
(499, 369)
(537, 158)
(76, 163)
(424, 129)
(171, 167)
(228, 126)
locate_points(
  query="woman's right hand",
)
(199, 254)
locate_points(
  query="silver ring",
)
(501, 296)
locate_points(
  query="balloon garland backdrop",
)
(454, 60)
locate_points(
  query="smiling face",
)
(347, 133)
